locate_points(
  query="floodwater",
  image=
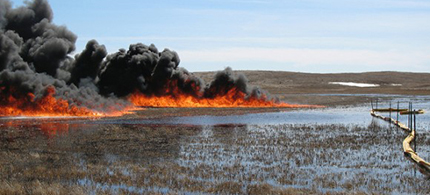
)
(330, 150)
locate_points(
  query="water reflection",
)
(50, 128)
(53, 129)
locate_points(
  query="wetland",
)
(333, 150)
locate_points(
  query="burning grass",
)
(233, 98)
(49, 106)
(14, 103)
(26, 105)
(271, 159)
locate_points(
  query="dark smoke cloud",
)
(21, 20)
(225, 81)
(87, 63)
(49, 47)
(125, 71)
(145, 69)
(4, 7)
(9, 50)
(35, 54)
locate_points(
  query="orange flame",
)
(13, 104)
(233, 98)
(228, 98)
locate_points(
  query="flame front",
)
(233, 98)
(14, 103)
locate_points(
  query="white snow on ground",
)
(352, 84)
(396, 85)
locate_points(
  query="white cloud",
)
(366, 60)
(308, 54)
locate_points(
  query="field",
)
(301, 87)
(339, 149)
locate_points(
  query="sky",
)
(318, 36)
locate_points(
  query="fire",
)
(233, 98)
(14, 103)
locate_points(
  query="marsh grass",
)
(159, 159)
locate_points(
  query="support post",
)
(390, 112)
(397, 120)
(376, 103)
(415, 129)
(410, 116)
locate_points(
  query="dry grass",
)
(307, 83)
(39, 188)
(266, 159)
(300, 87)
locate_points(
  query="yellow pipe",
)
(409, 152)
(389, 110)
(411, 112)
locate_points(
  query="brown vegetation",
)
(298, 87)
(63, 157)
(270, 159)
(278, 82)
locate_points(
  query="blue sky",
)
(297, 35)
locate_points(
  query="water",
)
(341, 115)
(305, 151)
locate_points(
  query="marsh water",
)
(329, 150)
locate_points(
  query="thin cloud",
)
(390, 60)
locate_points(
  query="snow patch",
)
(395, 85)
(352, 84)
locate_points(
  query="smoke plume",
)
(35, 57)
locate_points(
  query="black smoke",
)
(36, 54)
(87, 63)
